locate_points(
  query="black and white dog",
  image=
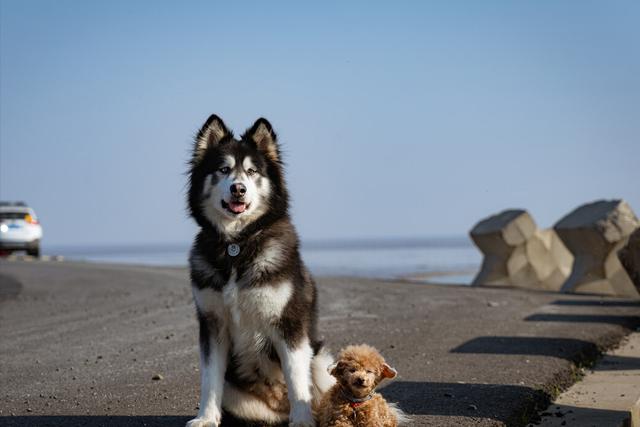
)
(256, 302)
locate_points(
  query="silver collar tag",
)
(233, 249)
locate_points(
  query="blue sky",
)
(397, 119)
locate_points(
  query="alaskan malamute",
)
(255, 300)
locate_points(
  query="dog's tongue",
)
(237, 207)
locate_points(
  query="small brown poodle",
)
(352, 401)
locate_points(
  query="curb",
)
(634, 421)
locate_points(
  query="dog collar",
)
(354, 402)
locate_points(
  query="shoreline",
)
(412, 277)
(81, 343)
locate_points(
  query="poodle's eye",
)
(369, 371)
(352, 370)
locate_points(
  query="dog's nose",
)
(359, 381)
(238, 189)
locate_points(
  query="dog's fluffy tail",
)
(401, 416)
(249, 407)
(320, 377)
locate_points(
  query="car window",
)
(13, 215)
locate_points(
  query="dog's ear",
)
(333, 369)
(388, 371)
(213, 131)
(263, 135)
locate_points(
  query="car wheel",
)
(34, 251)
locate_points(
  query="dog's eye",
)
(352, 370)
(225, 170)
(369, 371)
(251, 172)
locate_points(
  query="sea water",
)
(442, 260)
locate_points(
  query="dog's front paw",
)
(301, 416)
(204, 422)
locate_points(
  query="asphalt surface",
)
(81, 343)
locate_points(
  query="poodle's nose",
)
(359, 381)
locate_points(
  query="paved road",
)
(80, 344)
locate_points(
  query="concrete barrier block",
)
(516, 253)
(594, 233)
(629, 256)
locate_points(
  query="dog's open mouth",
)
(234, 207)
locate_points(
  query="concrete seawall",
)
(80, 344)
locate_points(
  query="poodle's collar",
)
(354, 402)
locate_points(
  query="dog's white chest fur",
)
(259, 306)
(248, 315)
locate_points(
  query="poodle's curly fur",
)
(352, 402)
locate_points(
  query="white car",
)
(19, 229)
